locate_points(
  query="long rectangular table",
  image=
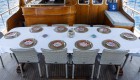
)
(6, 44)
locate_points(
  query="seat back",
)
(1, 35)
(42, 25)
(55, 25)
(84, 56)
(1, 51)
(113, 56)
(55, 56)
(101, 26)
(25, 55)
(76, 25)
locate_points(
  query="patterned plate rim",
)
(65, 29)
(105, 45)
(11, 37)
(132, 39)
(98, 29)
(54, 48)
(24, 46)
(85, 30)
(31, 29)
(82, 48)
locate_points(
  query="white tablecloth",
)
(6, 44)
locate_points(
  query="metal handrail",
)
(132, 9)
(9, 10)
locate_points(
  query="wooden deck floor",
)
(58, 73)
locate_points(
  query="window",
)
(111, 1)
(97, 1)
(83, 2)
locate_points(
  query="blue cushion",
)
(112, 6)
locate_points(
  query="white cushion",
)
(118, 19)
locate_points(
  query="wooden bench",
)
(118, 20)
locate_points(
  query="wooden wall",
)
(92, 13)
(84, 14)
(49, 15)
(17, 19)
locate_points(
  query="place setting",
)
(81, 29)
(128, 36)
(93, 36)
(60, 29)
(27, 43)
(110, 44)
(103, 30)
(45, 35)
(36, 28)
(57, 44)
(11, 35)
(83, 44)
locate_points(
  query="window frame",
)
(107, 3)
(83, 4)
(97, 4)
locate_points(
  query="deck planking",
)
(57, 72)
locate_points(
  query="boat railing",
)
(7, 11)
(133, 10)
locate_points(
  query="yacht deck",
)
(58, 71)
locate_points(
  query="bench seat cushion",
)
(118, 19)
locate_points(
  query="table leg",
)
(125, 60)
(120, 72)
(18, 68)
(69, 58)
(1, 61)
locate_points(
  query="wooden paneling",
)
(90, 14)
(29, 11)
(85, 14)
(70, 13)
(16, 20)
(49, 15)
(101, 14)
(93, 14)
(49, 19)
(82, 14)
(53, 10)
